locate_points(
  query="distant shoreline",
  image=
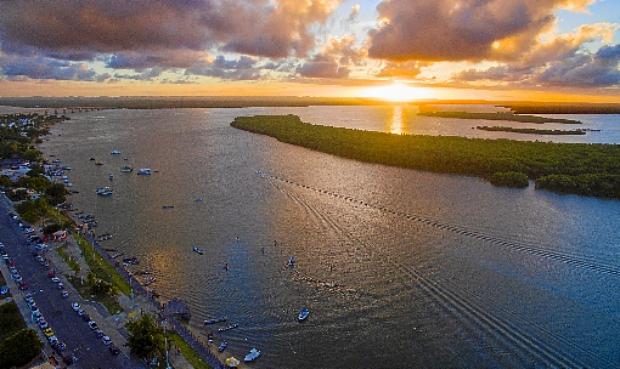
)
(533, 131)
(183, 102)
(509, 116)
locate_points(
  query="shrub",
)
(509, 179)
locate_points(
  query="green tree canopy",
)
(146, 338)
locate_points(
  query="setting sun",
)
(399, 92)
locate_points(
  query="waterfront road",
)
(67, 325)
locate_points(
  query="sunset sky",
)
(560, 50)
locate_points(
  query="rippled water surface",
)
(400, 269)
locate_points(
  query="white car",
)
(55, 280)
(75, 306)
(106, 340)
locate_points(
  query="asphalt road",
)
(67, 325)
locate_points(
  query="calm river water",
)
(400, 269)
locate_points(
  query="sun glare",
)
(398, 92)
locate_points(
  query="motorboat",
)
(303, 314)
(104, 191)
(252, 355)
(144, 171)
(198, 250)
(126, 169)
(111, 177)
(214, 321)
(115, 152)
(230, 327)
(98, 163)
(167, 207)
(222, 346)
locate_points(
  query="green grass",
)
(498, 116)
(586, 169)
(100, 267)
(188, 353)
(10, 320)
(71, 262)
(109, 301)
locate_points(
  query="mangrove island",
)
(586, 169)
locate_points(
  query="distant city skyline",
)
(547, 50)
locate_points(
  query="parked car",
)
(86, 317)
(23, 286)
(113, 349)
(28, 298)
(53, 340)
(64, 294)
(48, 332)
(92, 324)
(75, 306)
(55, 280)
(43, 324)
(61, 286)
(81, 312)
(99, 333)
(106, 340)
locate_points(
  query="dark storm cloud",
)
(17, 67)
(243, 68)
(72, 29)
(435, 30)
(586, 70)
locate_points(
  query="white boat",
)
(115, 152)
(252, 355)
(104, 191)
(198, 250)
(303, 314)
(144, 171)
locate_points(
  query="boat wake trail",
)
(529, 248)
(529, 343)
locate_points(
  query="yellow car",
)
(48, 332)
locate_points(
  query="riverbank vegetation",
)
(69, 260)
(100, 267)
(187, 352)
(594, 167)
(497, 116)
(532, 131)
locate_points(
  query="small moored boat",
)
(144, 171)
(303, 314)
(104, 191)
(214, 321)
(230, 327)
(115, 152)
(222, 346)
(252, 355)
(126, 169)
(198, 250)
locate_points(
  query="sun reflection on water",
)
(397, 123)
